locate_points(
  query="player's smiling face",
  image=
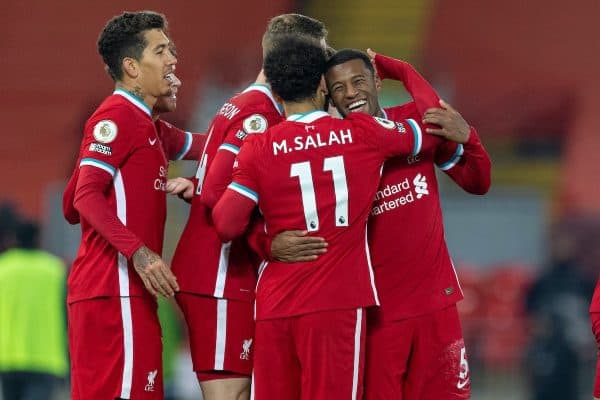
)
(156, 64)
(352, 88)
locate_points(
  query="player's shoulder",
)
(366, 121)
(164, 126)
(257, 94)
(116, 114)
(402, 111)
(166, 130)
(251, 111)
(258, 111)
(257, 98)
(119, 107)
(258, 140)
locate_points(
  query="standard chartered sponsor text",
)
(401, 193)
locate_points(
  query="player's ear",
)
(322, 84)
(377, 82)
(130, 67)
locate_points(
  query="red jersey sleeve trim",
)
(473, 168)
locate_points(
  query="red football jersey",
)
(202, 263)
(120, 138)
(318, 173)
(413, 268)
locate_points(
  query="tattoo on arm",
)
(145, 257)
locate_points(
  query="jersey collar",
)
(308, 117)
(266, 90)
(135, 100)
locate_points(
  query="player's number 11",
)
(335, 165)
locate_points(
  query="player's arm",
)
(93, 207)
(421, 91)
(257, 238)
(394, 138)
(232, 212)
(181, 187)
(198, 142)
(106, 145)
(287, 246)
(69, 211)
(181, 145)
(218, 176)
(461, 156)
(91, 204)
(468, 164)
(297, 246)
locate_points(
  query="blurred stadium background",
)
(523, 73)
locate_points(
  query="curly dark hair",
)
(294, 68)
(292, 24)
(123, 36)
(344, 55)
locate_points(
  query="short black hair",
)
(292, 24)
(28, 235)
(344, 55)
(294, 68)
(330, 51)
(9, 222)
(123, 36)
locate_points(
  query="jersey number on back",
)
(302, 170)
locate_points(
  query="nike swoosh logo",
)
(151, 141)
(461, 385)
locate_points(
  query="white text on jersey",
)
(229, 110)
(313, 141)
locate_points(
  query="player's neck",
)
(135, 90)
(302, 107)
(261, 78)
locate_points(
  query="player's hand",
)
(181, 187)
(297, 246)
(371, 54)
(378, 79)
(155, 273)
(452, 125)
